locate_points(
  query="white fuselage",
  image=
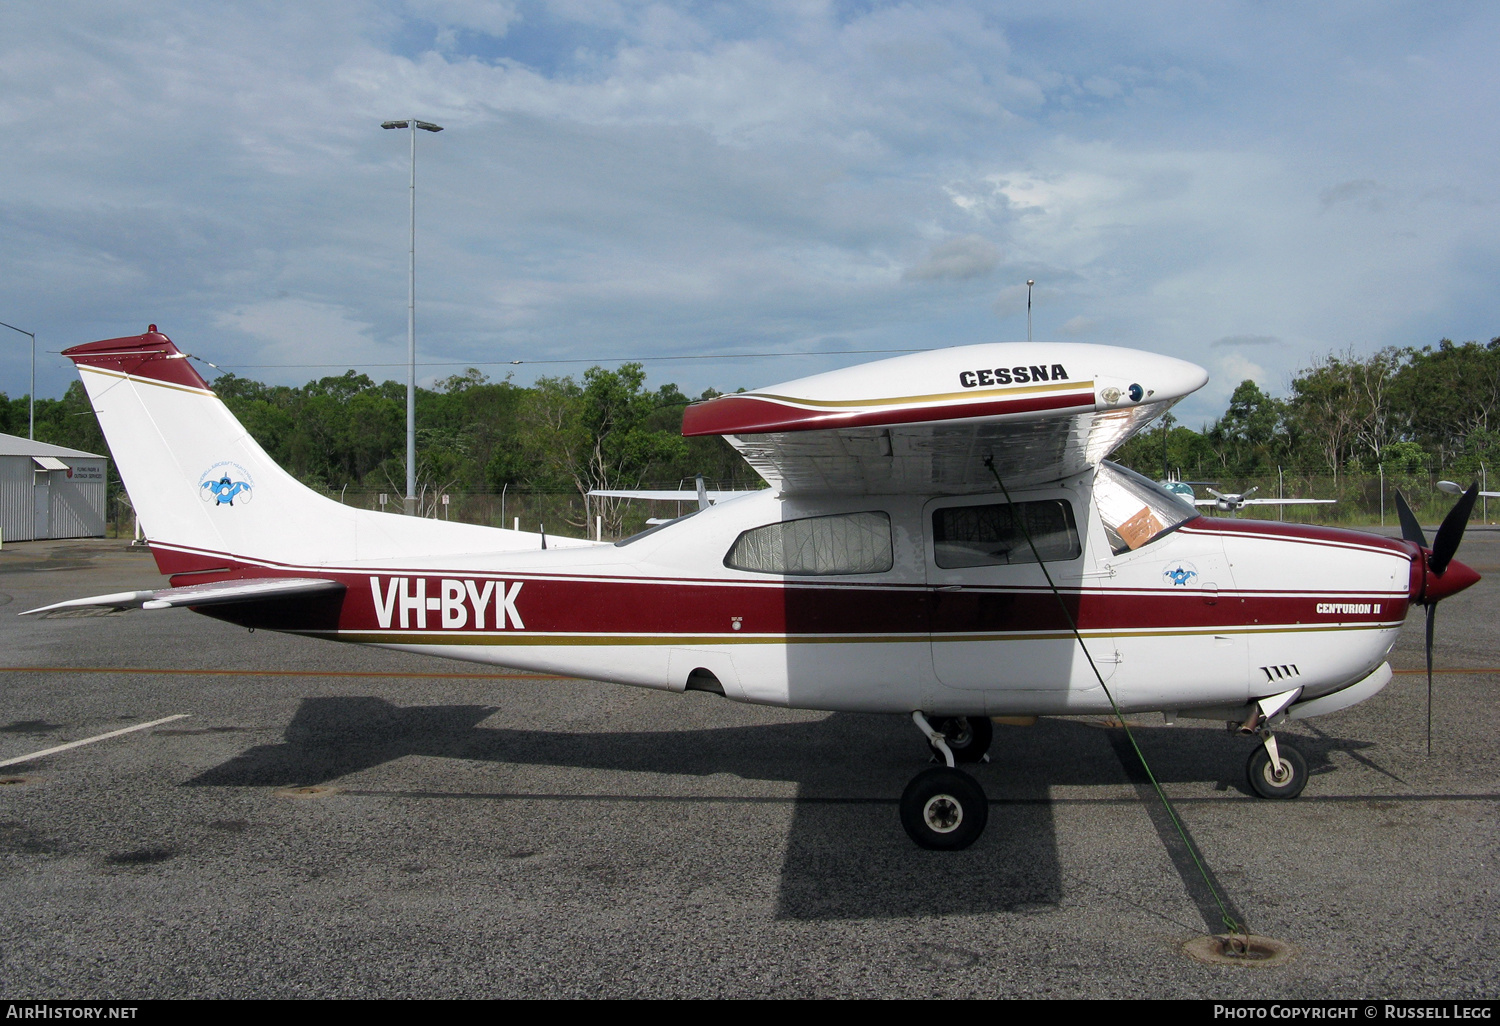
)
(1214, 613)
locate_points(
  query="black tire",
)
(943, 809)
(968, 737)
(1258, 769)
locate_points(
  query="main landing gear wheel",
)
(944, 809)
(1285, 782)
(968, 737)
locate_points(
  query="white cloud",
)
(1234, 369)
(302, 332)
(967, 256)
(491, 17)
(646, 178)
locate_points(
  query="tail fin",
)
(207, 494)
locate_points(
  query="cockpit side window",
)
(994, 534)
(845, 543)
(1134, 509)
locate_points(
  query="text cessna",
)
(406, 599)
(1012, 375)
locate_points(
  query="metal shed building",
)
(49, 491)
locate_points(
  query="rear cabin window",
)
(992, 535)
(846, 543)
(1134, 509)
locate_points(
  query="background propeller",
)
(1437, 560)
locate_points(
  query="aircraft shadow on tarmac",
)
(846, 856)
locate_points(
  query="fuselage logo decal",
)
(225, 484)
(1180, 574)
(457, 603)
(1012, 375)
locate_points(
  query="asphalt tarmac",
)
(331, 821)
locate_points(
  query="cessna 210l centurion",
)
(941, 539)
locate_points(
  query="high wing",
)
(925, 423)
(1259, 502)
(220, 593)
(1283, 502)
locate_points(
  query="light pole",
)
(1029, 283)
(31, 398)
(411, 318)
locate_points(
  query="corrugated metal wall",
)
(17, 514)
(77, 509)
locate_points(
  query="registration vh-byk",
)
(941, 538)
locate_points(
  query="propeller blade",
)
(1410, 529)
(1431, 612)
(1452, 531)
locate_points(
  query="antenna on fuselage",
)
(1029, 284)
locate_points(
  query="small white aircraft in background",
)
(942, 539)
(1454, 488)
(1232, 502)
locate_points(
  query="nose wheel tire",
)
(968, 737)
(943, 809)
(1287, 782)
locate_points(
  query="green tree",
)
(1250, 437)
(598, 434)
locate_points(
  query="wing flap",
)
(256, 589)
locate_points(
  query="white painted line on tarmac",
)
(91, 740)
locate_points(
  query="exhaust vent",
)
(1286, 671)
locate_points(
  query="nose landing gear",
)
(1274, 770)
(1282, 775)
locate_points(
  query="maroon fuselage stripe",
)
(601, 606)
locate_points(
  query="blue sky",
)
(1250, 186)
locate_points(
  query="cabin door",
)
(996, 626)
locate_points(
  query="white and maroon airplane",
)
(941, 539)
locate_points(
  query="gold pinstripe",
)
(530, 638)
(145, 380)
(938, 397)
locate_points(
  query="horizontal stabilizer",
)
(666, 494)
(221, 593)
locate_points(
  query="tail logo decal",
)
(224, 482)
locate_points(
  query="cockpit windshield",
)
(1135, 509)
(656, 527)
